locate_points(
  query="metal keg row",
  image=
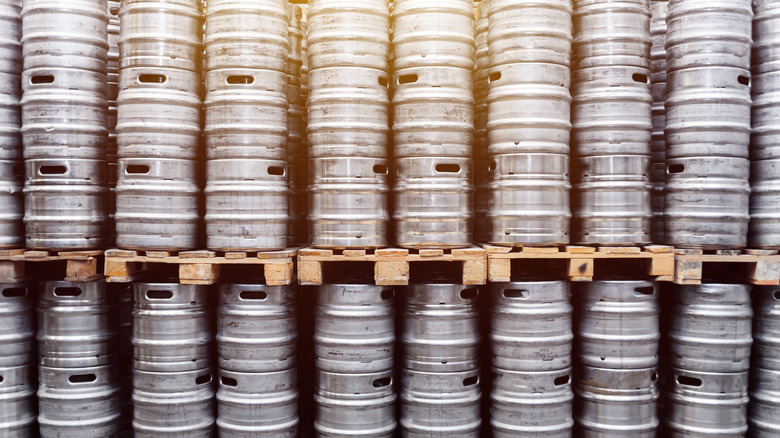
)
(11, 166)
(159, 125)
(256, 341)
(354, 339)
(18, 382)
(79, 392)
(433, 50)
(246, 125)
(612, 125)
(297, 150)
(765, 167)
(707, 357)
(616, 356)
(708, 123)
(64, 106)
(439, 364)
(658, 10)
(173, 391)
(348, 123)
(529, 107)
(531, 344)
(480, 151)
(111, 117)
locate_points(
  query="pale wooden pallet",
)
(80, 266)
(200, 267)
(763, 266)
(391, 265)
(580, 259)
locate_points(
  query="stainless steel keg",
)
(17, 324)
(18, 404)
(440, 402)
(257, 404)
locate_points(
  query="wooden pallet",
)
(580, 260)
(391, 266)
(763, 266)
(80, 266)
(200, 267)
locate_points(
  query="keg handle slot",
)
(744, 80)
(82, 378)
(113, 11)
(14, 292)
(152, 79)
(202, 380)
(676, 168)
(648, 290)
(469, 294)
(380, 169)
(407, 79)
(776, 295)
(383, 382)
(448, 168)
(562, 380)
(515, 293)
(383, 82)
(276, 170)
(137, 169)
(252, 295)
(639, 77)
(689, 381)
(1, 379)
(159, 294)
(495, 76)
(471, 381)
(67, 291)
(387, 294)
(42, 79)
(228, 381)
(240, 80)
(53, 170)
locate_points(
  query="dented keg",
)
(17, 325)
(348, 202)
(256, 330)
(172, 328)
(79, 402)
(157, 204)
(246, 205)
(173, 404)
(529, 201)
(18, 405)
(435, 402)
(77, 325)
(241, 396)
(433, 202)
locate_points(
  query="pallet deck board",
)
(391, 265)
(763, 266)
(202, 267)
(80, 266)
(581, 259)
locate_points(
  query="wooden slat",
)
(431, 252)
(580, 250)
(121, 253)
(541, 250)
(233, 255)
(354, 253)
(197, 255)
(619, 250)
(158, 254)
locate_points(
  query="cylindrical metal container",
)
(78, 402)
(764, 230)
(18, 405)
(764, 408)
(157, 204)
(173, 404)
(174, 97)
(172, 327)
(708, 112)
(707, 202)
(433, 202)
(257, 404)
(482, 64)
(658, 91)
(611, 202)
(610, 413)
(710, 328)
(17, 325)
(531, 326)
(539, 31)
(246, 34)
(709, 33)
(705, 404)
(162, 34)
(357, 405)
(296, 127)
(256, 330)
(77, 325)
(246, 114)
(354, 331)
(348, 202)
(71, 35)
(611, 33)
(348, 112)
(536, 404)
(434, 403)
(11, 203)
(246, 205)
(10, 48)
(529, 201)
(440, 332)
